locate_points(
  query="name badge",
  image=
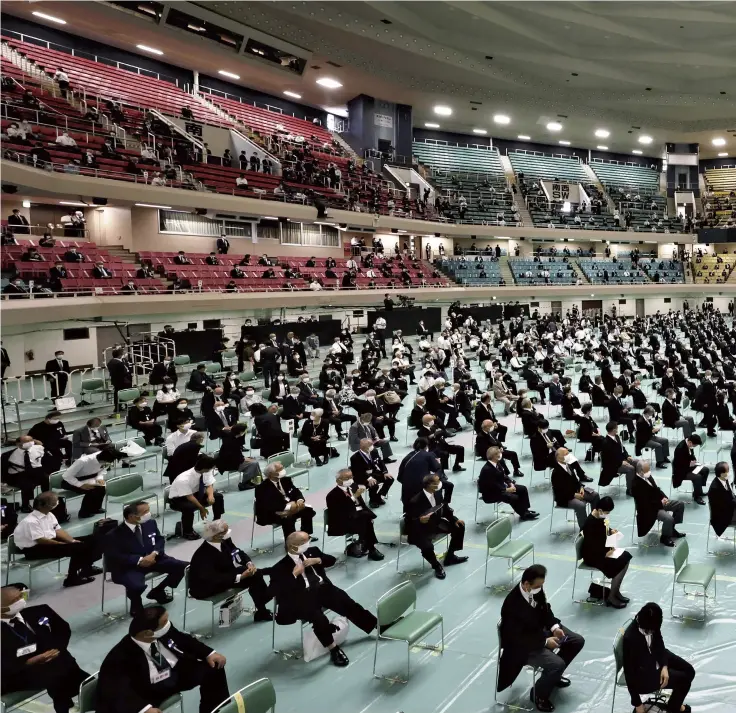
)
(161, 676)
(368, 472)
(25, 650)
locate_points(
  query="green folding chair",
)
(697, 575)
(93, 386)
(534, 671)
(16, 559)
(580, 565)
(276, 526)
(88, 697)
(246, 376)
(292, 468)
(256, 697)
(151, 451)
(126, 397)
(127, 489)
(16, 700)
(392, 611)
(56, 483)
(498, 546)
(349, 537)
(404, 540)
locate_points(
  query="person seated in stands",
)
(218, 566)
(29, 100)
(158, 180)
(241, 181)
(180, 284)
(141, 419)
(32, 255)
(73, 255)
(129, 288)
(108, 151)
(181, 259)
(186, 113)
(100, 272)
(264, 260)
(280, 189)
(16, 287)
(496, 485)
(245, 261)
(146, 270)
(211, 259)
(40, 155)
(66, 141)
(236, 273)
(133, 166)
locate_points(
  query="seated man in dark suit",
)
(221, 419)
(218, 565)
(348, 514)
(419, 410)
(370, 471)
(531, 634)
(544, 444)
(722, 500)
(620, 413)
(140, 417)
(598, 394)
(436, 437)
(185, 455)
(302, 591)
(413, 468)
(555, 390)
(35, 650)
(496, 486)
(615, 459)
(135, 548)
(231, 457)
(646, 437)
(483, 412)
(428, 515)
(649, 666)
(567, 488)
(652, 504)
(153, 662)
(671, 416)
(200, 380)
(685, 467)
(488, 437)
(268, 427)
(279, 501)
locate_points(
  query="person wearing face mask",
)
(134, 549)
(348, 514)
(57, 374)
(308, 395)
(705, 401)
(382, 419)
(532, 635)
(615, 459)
(221, 419)
(181, 434)
(35, 650)
(672, 418)
(86, 476)
(141, 418)
(155, 661)
(487, 437)
(90, 438)
(194, 491)
(596, 554)
(370, 472)
(303, 590)
(23, 468)
(315, 435)
(495, 485)
(218, 565)
(646, 437)
(185, 454)
(652, 504)
(230, 457)
(722, 500)
(200, 380)
(429, 515)
(333, 413)
(279, 501)
(650, 667)
(165, 397)
(438, 444)
(279, 390)
(179, 412)
(685, 467)
(249, 398)
(53, 436)
(567, 486)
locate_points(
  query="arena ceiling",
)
(664, 69)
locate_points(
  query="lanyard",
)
(24, 639)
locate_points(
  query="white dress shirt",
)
(18, 458)
(175, 439)
(298, 560)
(187, 483)
(431, 498)
(35, 527)
(84, 470)
(533, 604)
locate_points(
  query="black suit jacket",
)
(670, 413)
(360, 467)
(540, 450)
(52, 366)
(722, 506)
(122, 549)
(183, 458)
(230, 455)
(215, 424)
(160, 371)
(492, 482)
(648, 499)
(644, 432)
(342, 511)
(120, 375)
(269, 501)
(124, 684)
(417, 507)
(482, 413)
(412, 470)
(613, 454)
(565, 483)
(483, 441)
(640, 664)
(213, 571)
(681, 463)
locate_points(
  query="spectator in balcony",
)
(245, 261)
(72, 166)
(227, 159)
(19, 223)
(92, 114)
(255, 162)
(186, 114)
(129, 288)
(133, 166)
(264, 260)
(15, 134)
(16, 287)
(182, 259)
(56, 274)
(243, 158)
(268, 274)
(212, 259)
(66, 141)
(73, 255)
(62, 79)
(147, 153)
(231, 286)
(89, 160)
(108, 150)
(158, 180)
(146, 270)
(241, 181)
(100, 272)
(236, 272)
(29, 100)
(329, 272)
(280, 189)
(315, 285)
(39, 155)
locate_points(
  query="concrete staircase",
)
(505, 270)
(346, 146)
(128, 257)
(579, 271)
(508, 169)
(593, 178)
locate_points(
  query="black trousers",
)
(134, 579)
(388, 422)
(187, 509)
(444, 451)
(553, 665)
(519, 500)
(58, 384)
(270, 371)
(681, 678)
(513, 458)
(381, 488)
(424, 540)
(92, 500)
(338, 419)
(361, 524)
(288, 524)
(82, 555)
(189, 674)
(60, 677)
(28, 481)
(150, 433)
(328, 596)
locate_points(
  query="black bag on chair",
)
(103, 526)
(597, 591)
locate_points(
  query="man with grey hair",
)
(334, 414)
(219, 565)
(347, 514)
(567, 487)
(381, 418)
(370, 471)
(363, 428)
(279, 502)
(652, 504)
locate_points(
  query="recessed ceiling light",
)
(293, 95)
(146, 48)
(564, 143)
(719, 141)
(602, 133)
(479, 131)
(501, 119)
(602, 148)
(153, 205)
(637, 152)
(644, 139)
(431, 125)
(50, 18)
(229, 74)
(329, 83)
(269, 217)
(554, 126)
(26, 204)
(442, 110)
(523, 137)
(71, 203)
(722, 154)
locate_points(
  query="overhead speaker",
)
(436, 235)
(394, 230)
(8, 188)
(201, 211)
(99, 201)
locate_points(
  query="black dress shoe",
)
(585, 479)
(160, 595)
(564, 682)
(312, 538)
(90, 571)
(667, 541)
(375, 555)
(263, 615)
(26, 509)
(393, 439)
(615, 603)
(662, 465)
(542, 704)
(338, 657)
(341, 437)
(375, 503)
(77, 581)
(677, 533)
(451, 558)
(699, 501)
(518, 474)
(623, 599)
(191, 536)
(390, 460)
(457, 469)
(439, 572)
(529, 516)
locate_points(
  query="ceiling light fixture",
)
(26, 204)
(719, 141)
(152, 50)
(637, 152)
(644, 139)
(269, 217)
(229, 74)
(441, 110)
(564, 143)
(337, 111)
(196, 28)
(72, 203)
(502, 119)
(602, 148)
(722, 154)
(291, 94)
(554, 126)
(431, 125)
(524, 137)
(329, 83)
(602, 133)
(479, 131)
(153, 205)
(50, 18)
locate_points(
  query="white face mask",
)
(185, 427)
(303, 548)
(220, 409)
(228, 534)
(144, 404)
(249, 393)
(569, 458)
(54, 421)
(371, 448)
(544, 430)
(16, 608)
(25, 446)
(347, 483)
(145, 518)
(182, 407)
(159, 633)
(535, 591)
(724, 476)
(439, 488)
(281, 378)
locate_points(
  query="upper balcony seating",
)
(721, 179)
(466, 272)
(662, 269)
(537, 166)
(712, 269)
(606, 271)
(459, 159)
(632, 177)
(528, 271)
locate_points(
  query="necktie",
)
(310, 574)
(200, 490)
(139, 535)
(27, 462)
(158, 658)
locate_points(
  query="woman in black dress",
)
(596, 554)
(588, 431)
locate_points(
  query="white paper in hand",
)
(617, 552)
(612, 540)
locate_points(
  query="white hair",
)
(212, 529)
(317, 412)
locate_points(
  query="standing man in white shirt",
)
(193, 491)
(39, 536)
(87, 476)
